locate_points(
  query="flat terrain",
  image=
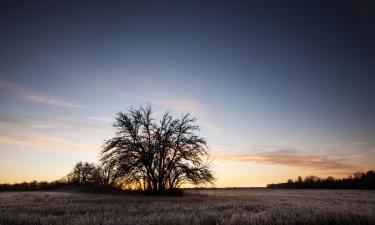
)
(242, 206)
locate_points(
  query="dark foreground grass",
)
(262, 207)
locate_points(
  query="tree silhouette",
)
(358, 180)
(156, 155)
(85, 173)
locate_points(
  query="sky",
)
(280, 88)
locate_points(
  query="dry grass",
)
(197, 207)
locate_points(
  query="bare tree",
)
(156, 155)
(85, 173)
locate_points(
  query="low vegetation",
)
(197, 207)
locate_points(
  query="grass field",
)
(206, 207)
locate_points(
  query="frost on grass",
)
(268, 207)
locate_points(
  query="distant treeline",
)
(84, 177)
(57, 185)
(355, 181)
(33, 186)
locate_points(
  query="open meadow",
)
(205, 207)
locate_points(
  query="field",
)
(240, 206)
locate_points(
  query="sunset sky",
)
(280, 90)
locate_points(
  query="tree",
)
(156, 155)
(311, 179)
(85, 173)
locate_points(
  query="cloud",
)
(35, 96)
(52, 135)
(100, 119)
(10, 122)
(290, 158)
(49, 143)
(30, 125)
(360, 143)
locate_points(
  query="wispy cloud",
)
(360, 143)
(35, 96)
(49, 143)
(53, 135)
(51, 125)
(100, 119)
(289, 158)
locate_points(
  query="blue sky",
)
(280, 89)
